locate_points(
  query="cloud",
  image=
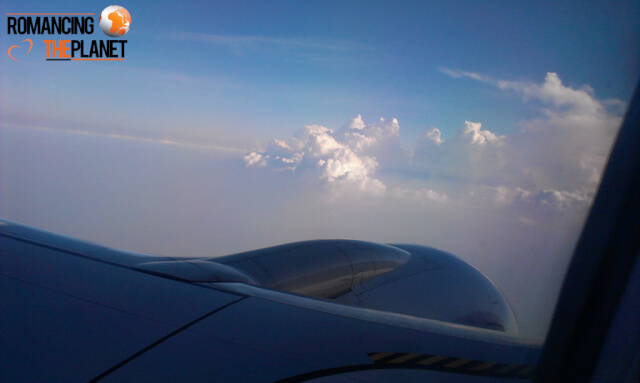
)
(287, 43)
(430, 135)
(525, 200)
(566, 148)
(456, 73)
(477, 136)
(336, 159)
(421, 195)
(306, 50)
(427, 147)
(367, 138)
(563, 199)
(535, 176)
(472, 153)
(254, 159)
(563, 149)
(164, 141)
(553, 91)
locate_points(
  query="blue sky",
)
(269, 68)
(237, 125)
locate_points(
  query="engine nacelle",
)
(408, 279)
(321, 268)
(437, 285)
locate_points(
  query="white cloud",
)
(428, 149)
(268, 41)
(554, 162)
(566, 148)
(563, 149)
(254, 159)
(562, 199)
(474, 132)
(553, 91)
(473, 152)
(521, 199)
(341, 164)
(356, 123)
(457, 73)
(371, 138)
(431, 135)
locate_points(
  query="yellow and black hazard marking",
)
(398, 360)
(451, 364)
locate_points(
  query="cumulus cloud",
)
(562, 150)
(563, 199)
(254, 159)
(474, 132)
(473, 152)
(501, 194)
(566, 148)
(370, 138)
(430, 135)
(553, 163)
(336, 159)
(553, 91)
(428, 149)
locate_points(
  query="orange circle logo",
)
(115, 21)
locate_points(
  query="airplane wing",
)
(76, 311)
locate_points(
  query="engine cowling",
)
(408, 279)
(437, 285)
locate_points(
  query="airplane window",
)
(464, 139)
